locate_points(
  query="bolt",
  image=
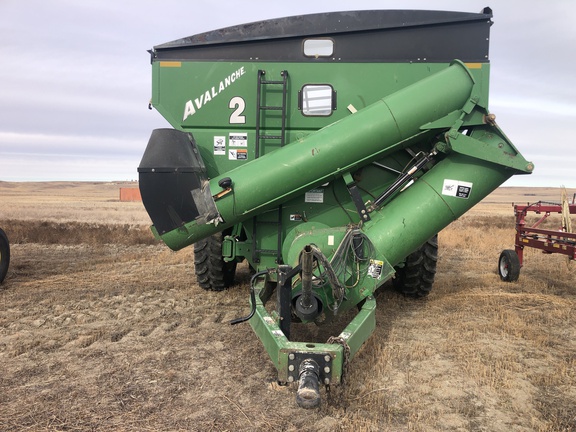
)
(326, 381)
(327, 369)
(327, 358)
(291, 356)
(291, 368)
(290, 379)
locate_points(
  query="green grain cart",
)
(327, 151)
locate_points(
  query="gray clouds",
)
(75, 79)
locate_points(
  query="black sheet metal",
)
(377, 35)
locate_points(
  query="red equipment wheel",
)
(509, 266)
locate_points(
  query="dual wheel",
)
(4, 255)
(416, 277)
(212, 272)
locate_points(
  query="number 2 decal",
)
(238, 105)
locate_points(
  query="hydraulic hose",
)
(252, 299)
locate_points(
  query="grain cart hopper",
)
(327, 150)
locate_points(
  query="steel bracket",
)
(356, 197)
(324, 361)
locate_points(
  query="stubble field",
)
(102, 328)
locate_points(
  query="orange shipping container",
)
(130, 194)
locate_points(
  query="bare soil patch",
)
(110, 332)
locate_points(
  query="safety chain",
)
(346, 360)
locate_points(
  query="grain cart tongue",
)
(327, 151)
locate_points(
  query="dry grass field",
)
(102, 328)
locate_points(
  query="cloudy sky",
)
(75, 78)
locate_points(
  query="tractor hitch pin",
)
(308, 394)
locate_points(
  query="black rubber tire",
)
(4, 255)
(212, 272)
(509, 266)
(416, 277)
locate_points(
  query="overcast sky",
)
(75, 78)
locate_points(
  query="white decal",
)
(219, 145)
(314, 196)
(237, 154)
(457, 188)
(238, 139)
(375, 268)
(191, 106)
(237, 104)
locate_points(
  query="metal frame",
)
(284, 352)
(548, 241)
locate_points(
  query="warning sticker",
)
(375, 269)
(237, 154)
(314, 196)
(238, 139)
(457, 188)
(219, 145)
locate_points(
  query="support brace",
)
(356, 197)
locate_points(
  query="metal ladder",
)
(262, 109)
(261, 112)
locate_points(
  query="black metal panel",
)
(170, 170)
(361, 36)
(170, 150)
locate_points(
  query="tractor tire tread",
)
(416, 277)
(212, 272)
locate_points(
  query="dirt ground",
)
(110, 332)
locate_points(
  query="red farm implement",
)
(560, 241)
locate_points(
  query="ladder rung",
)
(270, 137)
(271, 82)
(277, 108)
